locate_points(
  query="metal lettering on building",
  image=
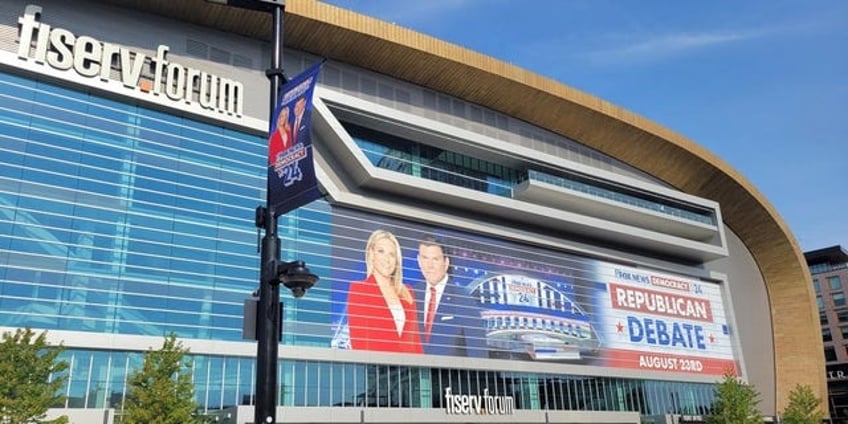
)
(60, 49)
(478, 404)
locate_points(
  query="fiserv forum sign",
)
(485, 404)
(60, 49)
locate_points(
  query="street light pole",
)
(293, 275)
(268, 310)
(268, 322)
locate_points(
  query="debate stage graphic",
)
(526, 315)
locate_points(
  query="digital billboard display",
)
(399, 286)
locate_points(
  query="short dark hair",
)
(433, 241)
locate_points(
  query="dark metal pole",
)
(268, 309)
(267, 330)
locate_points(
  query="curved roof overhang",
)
(383, 47)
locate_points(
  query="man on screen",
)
(450, 319)
(299, 119)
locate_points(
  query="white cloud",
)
(668, 45)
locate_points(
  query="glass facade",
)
(97, 379)
(606, 191)
(115, 218)
(411, 158)
(396, 154)
(120, 219)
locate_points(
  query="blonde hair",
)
(397, 277)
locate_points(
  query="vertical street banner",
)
(291, 170)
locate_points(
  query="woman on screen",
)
(281, 138)
(381, 309)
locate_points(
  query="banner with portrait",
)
(291, 170)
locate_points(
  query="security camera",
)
(297, 278)
(297, 292)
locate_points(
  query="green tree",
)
(161, 391)
(803, 407)
(31, 378)
(735, 402)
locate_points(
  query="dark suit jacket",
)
(457, 326)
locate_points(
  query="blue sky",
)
(763, 84)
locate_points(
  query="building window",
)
(835, 283)
(595, 188)
(839, 299)
(819, 302)
(819, 268)
(826, 336)
(829, 354)
(816, 285)
(844, 331)
(420, 160)
(823, 318)
(842, 316)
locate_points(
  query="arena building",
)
(601, 268)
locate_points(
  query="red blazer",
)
(371, 324)
(278, 144)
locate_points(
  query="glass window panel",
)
(201, 369)
(68, 357)
(216, 383)
(704, 399)
(18, 87)
(80, 369)
(246, 380)
(18, 289)
(98, 379)
(12, 168)
(597, 393)
(359, 384)
(609, 394)
(117, 380)
(299, 383)
(651, 398)
(110, 177)
(626, 400)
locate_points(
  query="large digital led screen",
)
(399, 286)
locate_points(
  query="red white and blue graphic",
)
(534, 316)
(291, 170)
(520, 302)
(660, 322)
